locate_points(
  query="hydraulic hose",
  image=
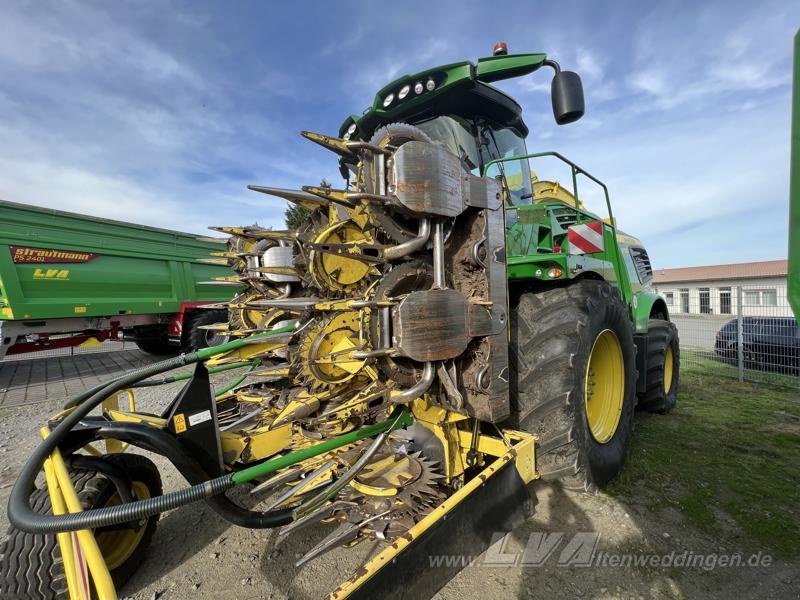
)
(158, 441)
(185, 376)
(23, 517)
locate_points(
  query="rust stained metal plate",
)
(428, 179)
(432, 325)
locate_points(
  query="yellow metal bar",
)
(111, 404)
(85, 538)
(76, 590)
(372, 568)
(92, 450)
(128, 417)
(523, 446)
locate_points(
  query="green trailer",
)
(68, 279)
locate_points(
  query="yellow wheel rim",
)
(604, 387)
(668, 358)
(117, 545)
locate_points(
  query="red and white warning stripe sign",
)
(586, 238)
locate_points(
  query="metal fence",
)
(747, 332)
(107, 346)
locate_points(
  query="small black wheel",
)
(663, 368)
(573, 380)
(196, 338)
(753, 358)
(31, 565)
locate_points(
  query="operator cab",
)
(477, 141)
(456, 106)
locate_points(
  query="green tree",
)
(296, 214)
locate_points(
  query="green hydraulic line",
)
(185, 359)
(213, 351)
(793, 282)
(256, 338)
(397, 420)
(184, 376)
(237, 381)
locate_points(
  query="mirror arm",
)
(553, 65)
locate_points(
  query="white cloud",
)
(651, 81)
(589, 65)
(43, 39)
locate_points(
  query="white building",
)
(716, 289)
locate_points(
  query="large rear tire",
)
(573, 381)
(31, 565)
(196, 338)
(663, 367)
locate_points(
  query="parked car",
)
(769, 343)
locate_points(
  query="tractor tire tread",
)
(550, 344)
(31, 566)
(660, 335)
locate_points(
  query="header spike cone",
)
(337, 196)
(337, 145)
(213, 240)
(230, 230)
(276, 270)
(302, 198)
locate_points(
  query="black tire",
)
(754, 358)
(31, 566)
(662, 336)
(154, 341)
(552, 337)
(196, 338)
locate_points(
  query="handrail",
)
(577, 170)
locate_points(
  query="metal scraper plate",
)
(428, 179)
(432, 325)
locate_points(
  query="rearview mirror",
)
(566, 93)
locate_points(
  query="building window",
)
(725, 301)
(705, 301)
(684, 292)
(669, 298)
(766, 297)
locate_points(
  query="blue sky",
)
(161, 113)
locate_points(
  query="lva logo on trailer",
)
(27, 255)
(60, 274)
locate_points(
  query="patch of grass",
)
(696, 509)
(708, 363)
(728, 446)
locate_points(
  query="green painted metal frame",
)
(489, 69)
(623, 282)
(137, 270)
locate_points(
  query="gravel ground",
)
(195, 554)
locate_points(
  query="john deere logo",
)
(51, 273)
